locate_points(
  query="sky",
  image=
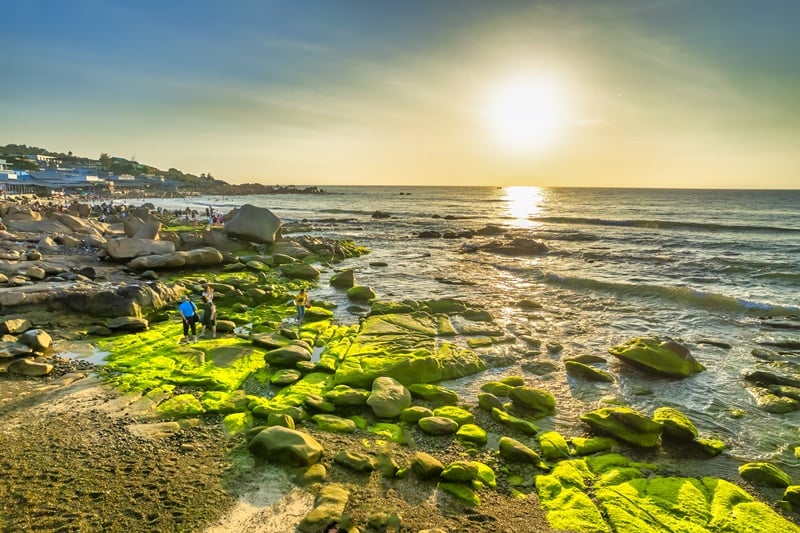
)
(594, 93)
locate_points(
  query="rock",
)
(286, 446)
(514, 451)
(792, 495)
(676, 424)
(289, 355)
(131, 225)
(426, 466)
(29, 367)
(389, 398)
(254, 224)
(578, 369)
(35, 272)
(334, 424)
(285, 376)
(537, 400)
(315, 473)
(347, 396)
(127, 248)
(664, 357)
(520, 424)
(38, 340)
(438, 425)
(14, 325)
(291, 249)
(198, 257)
(344, 279)
(456, 414)
(356, 461)
(101, 331)
(554, 446)
(9, 350)
(625, 424)
(517, 247)
(148, 230)
(413, 414)
(328, 509)
(361, 293)
(487, 401)
(473, 434)
(300, 271)
(435, 394)
(280, 419)
(765, 474)
(127, 323)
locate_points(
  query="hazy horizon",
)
(614, 94)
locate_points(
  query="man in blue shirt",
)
(188, 312)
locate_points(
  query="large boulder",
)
(286, 446)
(148, 230)
(254, 224)
(389, 398)
(625, 424)
(662, 356)
(197, 257)
(125, 248)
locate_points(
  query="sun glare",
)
(523, 203)
(526, 114)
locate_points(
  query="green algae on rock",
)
(625, 424)
(661, 356)
(761, 473)
(676, 424)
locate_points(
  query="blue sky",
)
(665, 93)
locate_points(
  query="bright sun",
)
(526, 114)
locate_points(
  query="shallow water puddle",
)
(84, 351)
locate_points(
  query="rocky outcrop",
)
(201, 257)
(127, 248)
(625, 424)
(254, 224)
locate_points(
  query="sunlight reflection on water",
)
(522, 204)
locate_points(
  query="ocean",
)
(716, 270)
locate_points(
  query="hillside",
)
(18, 158)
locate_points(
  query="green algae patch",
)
(236, 423)
(570, 509)
(456, 414)
(224, 402)
(590, 445)
(433, 393)
(514, 422)
(316, 383)
(403, 347)
(334, 424)
(393, 432)
(152, 358)
(473, 434)
(676, 424)
(180, 406)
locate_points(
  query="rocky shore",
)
(276, 425)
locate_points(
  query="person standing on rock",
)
(209, 321)
(301, 301)
(188, 311)
(208, 292)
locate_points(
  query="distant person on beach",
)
(188, 312)
(209, 320)
(301, 301)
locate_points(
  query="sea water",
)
(714, 270)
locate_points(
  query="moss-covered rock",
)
(761, 473)
(536, 400)
(520, 424)
(662, 356)
(328, 509)
(514, 451)
(347, 396)
(590, 445)
(286, 446)
(181, 406)
(472, 434)
(487, 402)
(426, 466)
(334, 424)
(584, 371)
(388, 398)
(356, 461)
(462, 492)
(438, 425)
(435, 394)
(712, 447)
(458, 415)
(413, 414)
(625, 424)
(553, 446)
(676, 424)
(361, 293)
(497, 388)
(236, 423)
(401, 346)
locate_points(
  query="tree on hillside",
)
(105, 161)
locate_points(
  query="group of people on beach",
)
(190, 316)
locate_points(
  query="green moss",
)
(570, 509)
(524, 426)
(456, 414)
(393, 432)
(625, 424)
(181, 406)
(236, 423)
(588, 446)
(768, 474)
(553, 445)
(473, 434)
(498, 388)
(676, 424)
(462, 492)
(334, 424)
